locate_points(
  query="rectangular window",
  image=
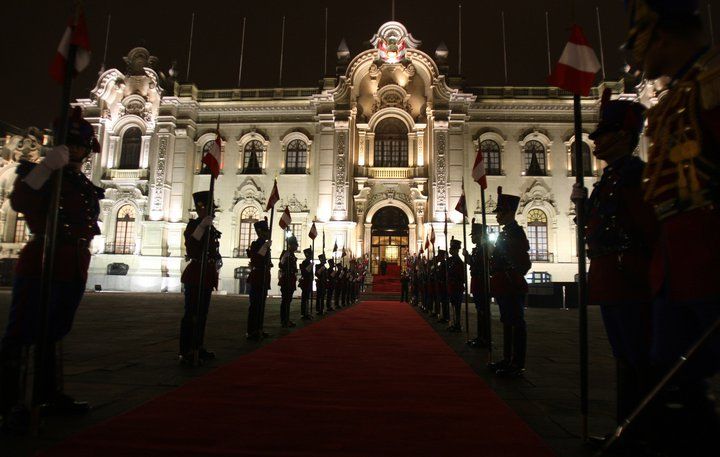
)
(538, 238)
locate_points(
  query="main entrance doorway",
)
(389, 242)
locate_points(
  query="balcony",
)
(117, 173)
(390, 172)
(542, 256)
(119, 248)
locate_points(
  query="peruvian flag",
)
(575, 72)
(461, 207)
(313, 232)
(432, 235)
(427, 243)
(274, 197)
(285, 219)
(212, 157)
(77, 36)
(478, 171)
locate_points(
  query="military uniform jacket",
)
(510, 262)
(193, 250)
(77, 223)
(287, 272)
(476, 262)
(620, 231)
(683, 179)
(321, 275)
(306, 274)
(456, 275)
(258, 265)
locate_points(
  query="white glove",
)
(264, 249)
(55, 159)
(579, 193)
(202, 226)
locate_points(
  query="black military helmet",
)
(200, 198)
(80, 132)
(506, 202)
(619, 115)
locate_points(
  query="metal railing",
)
(117, 173)
(542, 256)
(119, 248)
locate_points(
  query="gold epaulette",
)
(708, 79)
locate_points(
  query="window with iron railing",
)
(253, 158)
(124, 232)
(491, 155)
(537, 233)
(296, 158)
(534, 159)
(248, 217)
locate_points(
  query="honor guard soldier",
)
(509, 264)
(621, 231)
(441, 288)
(77, 225)
(456, 284)
(337, 285)
(404, 286)
(476, 261)
(321, 280)
(415, 275)
(330, 285)
(258, 279)
(195, 233)
(344, 278)
(306, 284)
(287, 280)
(682, 182)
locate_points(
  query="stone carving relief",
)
(23, 147)
(293, 204)
(249, 193)
(160, 171)
(441, 171)
(340, 171)
(391, 96)
(537, 193)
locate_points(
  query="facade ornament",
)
(293, 204)
(537, 194)
(392, 41)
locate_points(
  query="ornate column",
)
(112, 151)
(412, 153)
(420, 149)
(362, 160)
(371, 149)
(159, 178)
(440, 175)
(340, 187)
(145, 151)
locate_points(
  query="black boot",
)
(507, 350)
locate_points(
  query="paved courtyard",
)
(123, 352)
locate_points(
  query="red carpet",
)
(386, 284)
(373, 380)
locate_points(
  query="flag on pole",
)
(432, 236)
(344, 252)
(274, 197)
(285, 219)
(427, 243)
(78, 37)
(478, 171)
(212, 157)
(578, 64)
(335, 247)
(313, 232)
(461, 207)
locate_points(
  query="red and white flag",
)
(427, 243)
(77, 36)
(274, 197)
(478, 171)
(432, 235)
(212, 157)
(313, 232)
(285, 219)
(575, 72)
(461, 207)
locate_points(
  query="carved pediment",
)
(249, 192)
(391, 96)
(537, 192)
(293, 204)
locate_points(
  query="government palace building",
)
(376, 156)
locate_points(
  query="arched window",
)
(391, 144)
(253, 157)
(296, 158)
(130, 153)
(587, 159)
(537, 234)
(201, 168)
(534, 159)
(248, 217)
(125, 230)
(491, 155)
(22, 234)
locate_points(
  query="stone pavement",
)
(123, 352)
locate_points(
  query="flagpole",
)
(282, 50)
(582, 272)
(267, 267)
(326, 45)
(486, 279)
(50, 238)
(505, 61)
(192, 29)
(242, 52)
(107, 40)
(209, 205)
(602, 52)
(312, 289)
(710, 24)
(459, 39)
(447, 257)
(547, 39)
(467, 305)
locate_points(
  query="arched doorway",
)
(389, 240)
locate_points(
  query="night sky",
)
(32, 29)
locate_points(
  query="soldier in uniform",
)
(258, 279)
(404, 285)
(456, 284)
(509, 264)
(287, 280)
(441, 288)
(683, 184)
(476, 261)
(620, 232)
(306, 284)
(195, 235)
(77, 225)
(337, 285)
(321, 280)
(330, 284)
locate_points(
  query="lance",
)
(467, 305)
(447, 257)
(266, 269)
(50, 239)
(209, 205)
(486, 279)
(314, 282)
